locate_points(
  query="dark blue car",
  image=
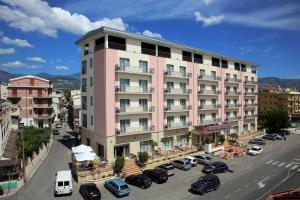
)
(269, 137)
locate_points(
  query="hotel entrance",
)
(121, 150)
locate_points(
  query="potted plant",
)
(119, 164)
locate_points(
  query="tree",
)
(188, 136)
(274, 119)
(153, 144)
(70, 115)
(222, 138)
(143, 157)
(119, 164)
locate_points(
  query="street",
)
(251, 177)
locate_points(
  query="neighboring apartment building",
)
(136, 89)
(285, 98)
(58, 100)
(3, 92)
(76, 99)
(33, 95)
(5, 125)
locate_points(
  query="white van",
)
(63, 183)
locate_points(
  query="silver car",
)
(168, 168)
(203, 159)
(182, 164)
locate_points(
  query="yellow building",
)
(285, 98)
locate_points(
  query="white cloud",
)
(152, 34)
(208, 21)
(38, 16)
(16, 42)
(14, 64)
(36, 59)
(61, 67)
(207, 2)
(7, 51)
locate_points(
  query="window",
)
(86, 49)
(124, 124)
(101, 150)
(164, 52)
(215, 62)
(92, 120)
(253, 70)
(227, 76)
(84, 120)
(124, 62)
(30, 91)
(227, 89)
(202, 117)
(143, 123)
(243, 67)
(83, 85)
(182, 85)
(202, 87)
(224, 63)
(202, 103)
(88, 141)
(183, 103)
(187, 56)
(83, 67)
(99, 43)
(202, 73)
(145, 146)
(170, 120)
(60, 183)
(213, 74)
(30, 112)
(144, 85)
(246, 78)
(237, 66)
(148, 49)
(124, 83)
(235, 77)
(182, 70)
(182, 119)
(143, 103)
(124, 104)
(91, 81)
(170, 69)
(91, 101)
(116, 43)
(91, 63)
(170, 85)
(170, 103)
(198, 58)
(143, 66)
(84, 103)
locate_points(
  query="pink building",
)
(137, 89)
(33, 95)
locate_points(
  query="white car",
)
(192, 160)
(255, 150)
(63, 183)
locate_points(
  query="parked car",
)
(155, 175)
(118, 187)
(257, 141)
(63, 183)
(192, 160)
(67, 137)
(168, 168)
(58, 125)
(205, 184)
(55, 132)
(90, 191)
(215, 167)
(203, 159)
(139, 180)
(255, 150)
(278, 137)
(182, 164)
(269, 137)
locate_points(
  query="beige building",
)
(3, 92)
(285, 98)
(5, 125)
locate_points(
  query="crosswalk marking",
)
(288, 165)
(297, 159)
(281, 164)
(298, 170)
(294, 167)
(275, 163)
(269, 162)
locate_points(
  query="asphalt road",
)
(252, 177)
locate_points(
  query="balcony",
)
(134, 70)
(208, 121)
(250, 105)
(134, 110)
(171, 126)
(232, 105)
(34, 85)
(232, 80)
(134, 130)
(209, 92)
(250, 116)
(209, 107)
(232, 93)
(42, 106)
(177, 108)
(177, 74)
(14, 96)
(42, 116)
(209, 78)
(250, 82)
(232, 118)
(134, 90)
(250, 93)
(45, 96)
(177, 91)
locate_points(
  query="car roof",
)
(218, 163)
(190, 157)
(118, 181)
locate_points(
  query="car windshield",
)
(208, 158)
(124, 187)
(255, 149)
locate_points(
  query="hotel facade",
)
(136, 90)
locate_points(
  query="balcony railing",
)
(232, 118)
(209, 92)
(134, 130)
(44, 96)
(233, 80)
(232, 93)
(42, 106)
(251, 105)
(178, 125)
(209, 78)
(178, 91)
(134, 110)
(177, 74)
(178, 108)
(250, 93)
(14, 96)
(209, 107)
(34, 85)
(136, 90)
(250, 116)
(233, 105)
(208, 121)
(134, 70)
(250, 82)
(42, 116)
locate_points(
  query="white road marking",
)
(262, 183)
(236, 191)
(294, 167)
(288, 165)
(249, 184)
(269, 162)
(275, 163)
(298, 159)
(281, 164)
(298, 170)
(227, 196)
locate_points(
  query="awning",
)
(86, 156)
(211, 128)
(81, 149)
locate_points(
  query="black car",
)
(215, 167)
(257, 141)
(55, 132)
(269, 137)
(90, 191)
(205, 184)
(139, 180)
(155, 175)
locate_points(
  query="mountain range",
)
(72, 81)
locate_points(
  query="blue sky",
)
(38, 36)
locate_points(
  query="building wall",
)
(5, 126)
